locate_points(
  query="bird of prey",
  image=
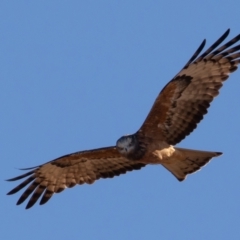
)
(177, 110)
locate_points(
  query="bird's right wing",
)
(69, 170)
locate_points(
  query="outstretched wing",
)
(69, 170)
(181, 104)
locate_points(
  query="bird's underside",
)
(177, 110)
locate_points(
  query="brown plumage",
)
(181, 104)
(69, 170)
(178, 109)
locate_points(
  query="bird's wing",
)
(69, 170)
(181, 104)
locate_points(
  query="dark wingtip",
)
(20, 177)
(219, 153)
(20, 201)
(30, 168)
(29, 205)
(181, 179)
(11, 192)
(226, 33)
(46, 196)
(197, 52)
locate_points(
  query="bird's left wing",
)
(181, 104)
(69, 170)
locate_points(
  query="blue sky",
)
(77, 75)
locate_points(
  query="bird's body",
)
(178, 161)
(177, 110)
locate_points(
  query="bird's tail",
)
(188, 161)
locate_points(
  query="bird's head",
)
(129, 147)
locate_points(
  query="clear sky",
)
(77, 75)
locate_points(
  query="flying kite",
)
(177, 110)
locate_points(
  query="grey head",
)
(130, 147)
